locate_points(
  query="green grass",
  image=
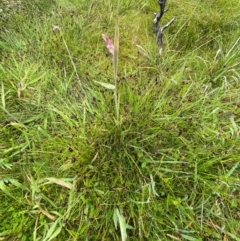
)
(155, 159)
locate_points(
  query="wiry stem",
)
(115, 63)
(158, 30)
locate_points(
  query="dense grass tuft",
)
(157, 158)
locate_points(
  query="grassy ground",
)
(155, 159)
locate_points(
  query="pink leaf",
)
(109, 44)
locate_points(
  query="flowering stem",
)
(115, 64)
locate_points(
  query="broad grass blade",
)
(118, 218)
(106, 85)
